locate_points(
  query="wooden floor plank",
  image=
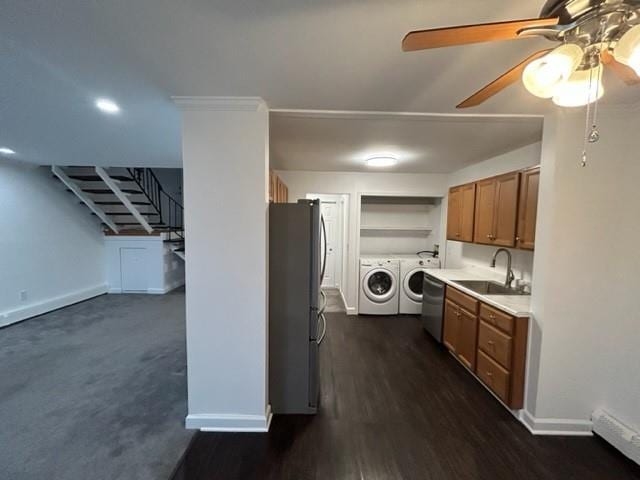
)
(396, 405)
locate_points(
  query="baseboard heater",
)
(617, 433)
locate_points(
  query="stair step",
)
(96, 178)
(120, 203)
(100, 190)
(179, 249)
(175, 240)
(124, 224)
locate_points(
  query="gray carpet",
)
(95, 391)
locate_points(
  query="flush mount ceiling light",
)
(380, 161)
(6, 151)
(107, 106)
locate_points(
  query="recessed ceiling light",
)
(107, 106)
(381, 161)
(6, 151)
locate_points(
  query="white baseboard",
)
(230, 422)
(349, 310)
(151, 291)
(35, 309)
(556, 426)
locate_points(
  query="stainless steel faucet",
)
(510, 275)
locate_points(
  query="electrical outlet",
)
(23, 296)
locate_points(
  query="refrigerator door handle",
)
(324, 328)
(324, 302)
(324, 239)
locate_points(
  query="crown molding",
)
(220, 104)
(416, 116)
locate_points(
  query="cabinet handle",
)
(517, 239)
(457, 234)
(492, 316)
(491, 344)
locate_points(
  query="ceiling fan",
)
(592, 33)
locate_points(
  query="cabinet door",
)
(484, 211)
(467, 212)
(451, 323)
(506, 210)
(467, 340)
(528, 208)
(454, 210)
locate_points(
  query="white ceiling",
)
(421, 143)
(57, 56)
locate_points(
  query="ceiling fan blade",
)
(465, 34)
(502, 82)
(626, 73)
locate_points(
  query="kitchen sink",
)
(484, 287)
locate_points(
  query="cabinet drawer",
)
(495, 344)
(494, 376)
(465, 301)
(496, 318)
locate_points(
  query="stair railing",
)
(170, 211)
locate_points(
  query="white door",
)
(133, 269)
(331, 214)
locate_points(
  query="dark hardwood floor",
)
(395, 405)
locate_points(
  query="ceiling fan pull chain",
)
(587, 122)
(594, 136)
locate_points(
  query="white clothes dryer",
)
(412, 268)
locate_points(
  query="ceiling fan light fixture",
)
(627, 50)
(582, 88)
(542, 76)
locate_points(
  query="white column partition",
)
(225, 161)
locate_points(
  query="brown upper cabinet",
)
(460, 212)
(497, 210)
(528, 208)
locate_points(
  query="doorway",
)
(334, 210)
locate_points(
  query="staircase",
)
(128, 201)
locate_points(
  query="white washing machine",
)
(412, 268)
(379, 286)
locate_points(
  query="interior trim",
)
(556, 426)
(210, 422)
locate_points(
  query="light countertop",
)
(517, 305)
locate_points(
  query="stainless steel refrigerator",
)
(297, 324)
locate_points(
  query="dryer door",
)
(412, 284)
(379, 285)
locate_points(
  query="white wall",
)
(464, 255)
(587, 272)
(403, 215)
(225, 161)
(355, 184)
(52, 248)
(159, 268)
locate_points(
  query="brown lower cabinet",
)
(489, 342)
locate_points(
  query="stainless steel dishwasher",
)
(433, 306)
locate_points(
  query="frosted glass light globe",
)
(542, 76)
(583, 87)
(627, 50)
